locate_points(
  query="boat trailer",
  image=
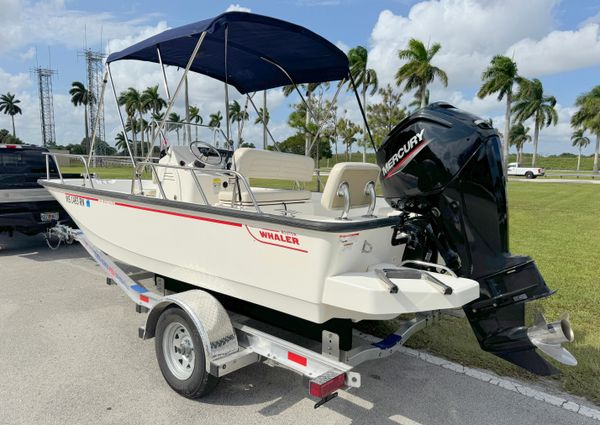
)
(232, 341)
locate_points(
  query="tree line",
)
(320, 125)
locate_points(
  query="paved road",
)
(69, 354)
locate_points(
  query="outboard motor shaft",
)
(443, 166)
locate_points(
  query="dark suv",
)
(25, 206)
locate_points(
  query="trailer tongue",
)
(452, 180)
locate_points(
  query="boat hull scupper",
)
(309, 273)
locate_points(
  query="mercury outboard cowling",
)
(444, 166)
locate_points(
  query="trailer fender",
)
(209, 317)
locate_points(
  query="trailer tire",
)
(181, 356)
(529, 175)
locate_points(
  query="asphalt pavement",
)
(69, 354)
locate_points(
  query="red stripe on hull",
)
(193, 217)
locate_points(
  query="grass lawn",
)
(559, 226)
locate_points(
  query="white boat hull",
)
(312, 274)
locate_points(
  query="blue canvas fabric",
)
(307, 57)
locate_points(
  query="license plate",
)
(48, 216)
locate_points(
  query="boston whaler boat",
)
(311, 263)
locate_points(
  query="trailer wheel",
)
(180, 354)
(529, 175)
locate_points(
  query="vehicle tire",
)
(529, 175)
(180, 354)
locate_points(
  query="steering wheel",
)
(206, 153)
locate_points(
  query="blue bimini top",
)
(254, 44)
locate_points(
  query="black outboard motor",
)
(444, 166)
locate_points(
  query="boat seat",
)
(350, 185)
(262, 164)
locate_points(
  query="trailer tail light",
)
(324, 385)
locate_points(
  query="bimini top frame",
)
(250, 52)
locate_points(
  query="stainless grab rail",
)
(385, 275)
(68, 155)
(216, 172)
(153, 165)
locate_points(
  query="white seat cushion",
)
(265, 196)
(273, 165)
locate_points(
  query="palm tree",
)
(263, 112)
(215, 119)
(310, 89)
(130, 99)
(82, 96)
(588, 117)
(259, 118)
(416, 102)
(579, 141)
(194, 114)
(120, 142)
(152, 101)
(532, 102)
(518, 136)
(238, 115)
(418, 72)
(8, 105)
(500, 77)
(364, 78)
(175, 123)
(347, 130)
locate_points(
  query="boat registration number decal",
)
(279, 238)
(82, 201)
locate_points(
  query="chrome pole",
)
(310, 111)
(171, 102)
(187, 132)
(164, 74)
(266, 127)
(362, 111)
(96, 121)
(112, 83)
(227, 87)
(321, 127)
(264, 119)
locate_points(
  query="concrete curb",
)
(563, 403)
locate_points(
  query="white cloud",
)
(28, 54)
(50, 22)
(342, 46)
(237, 8)
(559, 51)
(14, 82)
(470, 32)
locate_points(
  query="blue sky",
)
(556, 41)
